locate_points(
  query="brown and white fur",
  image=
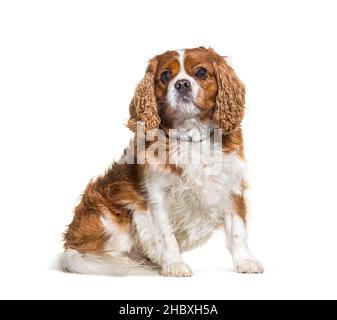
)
(138, 218)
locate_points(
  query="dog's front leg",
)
(235, 227)
(156, 239)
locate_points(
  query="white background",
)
(67, 73)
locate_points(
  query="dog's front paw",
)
(176, 270)
(248, 266)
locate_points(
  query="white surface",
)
(67, 72)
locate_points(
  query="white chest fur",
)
(198, 197)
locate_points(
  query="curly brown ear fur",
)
(230, 101)
(143, 106)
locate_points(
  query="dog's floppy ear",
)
(230, 101)
(143, 106)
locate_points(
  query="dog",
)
(181, 177)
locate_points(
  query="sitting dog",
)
(181, 178)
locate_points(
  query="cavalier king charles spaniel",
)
(181, 177)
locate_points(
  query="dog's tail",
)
(117, 265)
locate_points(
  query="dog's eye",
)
(166, 76)
(201, 73)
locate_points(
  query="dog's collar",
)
(185, 136)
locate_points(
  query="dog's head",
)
(188, 83)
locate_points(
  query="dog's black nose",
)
(183, 85)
